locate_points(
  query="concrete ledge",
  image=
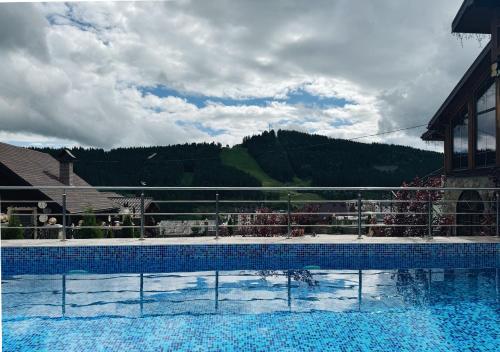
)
(320, 239)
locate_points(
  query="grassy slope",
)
(239, 158)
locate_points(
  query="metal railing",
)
(247, 211)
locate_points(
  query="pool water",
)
(307, 309)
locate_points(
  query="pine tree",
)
(90, 220)
(128, 232)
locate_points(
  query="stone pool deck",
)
(319, 239)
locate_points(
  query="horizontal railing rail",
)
(263, 188)
(70, 211)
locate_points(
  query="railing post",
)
(289, 218)
(359, 217)
(497, 202)
(216, 289)
(141, 293)
(217, 216)
(360, 289)
(142, 217)
(64, 214)
(289, 288)
(63, 300)
(429, 216)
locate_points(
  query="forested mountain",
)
(177, 165)
(285, 157)
(336, 162)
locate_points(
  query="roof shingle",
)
(41, 169)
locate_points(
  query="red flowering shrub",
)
(410, 217)
(268, 223)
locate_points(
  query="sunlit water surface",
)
(290, 310)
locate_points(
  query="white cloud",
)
(72, 73)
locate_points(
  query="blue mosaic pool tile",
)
(250, 256)
(386, 310)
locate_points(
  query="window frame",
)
(462, 116)
(477, 115)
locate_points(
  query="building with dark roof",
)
(132, 205)
(26, 167)
(468, 121)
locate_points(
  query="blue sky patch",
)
(199, 126)
(341, 122)
(70, 18)
(296, 97)
(302, 97)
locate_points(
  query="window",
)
(461, 142)
(498, 37)
(486, 128)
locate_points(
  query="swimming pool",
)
(284, 305)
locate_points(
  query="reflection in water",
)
(314, 310)
(242, 292)
(296, 275)
(413, 285)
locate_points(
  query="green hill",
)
(239, 158)
(290, 155)
(269, 159)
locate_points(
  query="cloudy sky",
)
(154, 73)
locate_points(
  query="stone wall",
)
(451, 197)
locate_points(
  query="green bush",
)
(109, 233)
(8, 233)
(128, 232)
(230, 228)
(90, 220)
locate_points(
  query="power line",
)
(301, 147)
(317, 144)
(360, 137)
(387, 132)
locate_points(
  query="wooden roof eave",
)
(472, 17)
(437, 121)
(433, 135)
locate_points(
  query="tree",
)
(410, 211)
(90, 229)
(127, 230)
(11, 233)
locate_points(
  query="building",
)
(26, 167)
(468, 121)
(187, 228)
(131, 205)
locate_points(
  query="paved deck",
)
(327, 239)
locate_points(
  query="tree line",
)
(336, 162)
(286, 156)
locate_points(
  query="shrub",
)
(10, 233)
(278, 222)
(230, 228)
(411, 209)
(90, 220)
(128, 232)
